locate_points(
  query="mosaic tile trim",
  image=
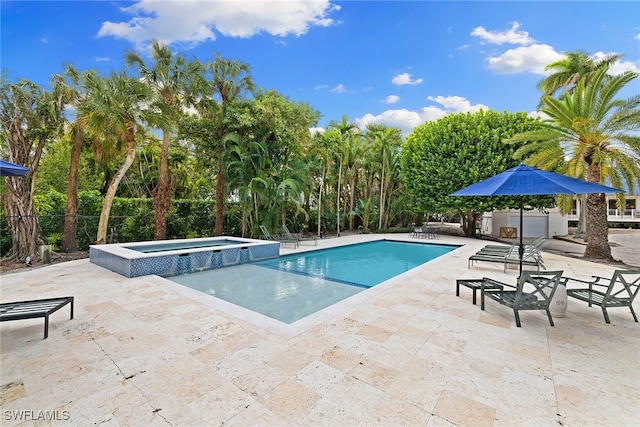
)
(189, 262)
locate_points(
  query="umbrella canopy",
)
(11, 169)
(530, 181)
(525, 180)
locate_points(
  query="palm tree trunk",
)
(381, 204)
(320, 203)
(219, 199)
(111, 191)
(162, 192)
(598, 245)
(71, 209)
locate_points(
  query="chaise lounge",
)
(283, 241)
(33, 309)
(298, 236)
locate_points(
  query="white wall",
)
(535, 223)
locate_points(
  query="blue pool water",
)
(291, 287)
(174, 246)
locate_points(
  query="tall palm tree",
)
(597, 132)
(343, 131)
(116, 112)
(230, 79)
(386, 143)
(169, 75)
(70, 85)
(567, 73)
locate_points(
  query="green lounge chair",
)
(535, 245)
(291, 236)
(283, 241)
(619, 292)
(533, 292)
(530, 257)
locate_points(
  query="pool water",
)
(179, 245)
(291, 287)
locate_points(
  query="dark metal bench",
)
(20, 310)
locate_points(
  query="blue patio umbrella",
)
(525, 180)
(11, 169)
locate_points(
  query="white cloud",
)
(457, 104)
(618, 67)
(522, 59)
(102, 58)
(637, 37)
(340, 89)
(405, 79)
(407, 120)
(193, 22)
(404, 119)
(318, 87)
(538, 115)
(316, 130)
(392, 99)
(511, 36)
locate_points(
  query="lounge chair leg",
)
(606, 315)
(517, 318)
(46, 326)
(550, 318)
(633, 313)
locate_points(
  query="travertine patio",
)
(147, 351)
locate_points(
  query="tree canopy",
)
(456, 151)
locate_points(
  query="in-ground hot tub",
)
(174, 257)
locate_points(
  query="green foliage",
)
(139, 227)
(456, 151)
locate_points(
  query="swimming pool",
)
(292, 287)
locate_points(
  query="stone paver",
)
(147, 351)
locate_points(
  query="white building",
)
(506, 223)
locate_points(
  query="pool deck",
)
(146, 351)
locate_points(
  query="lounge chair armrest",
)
(568, 279)
(595, 282)
(492, 282)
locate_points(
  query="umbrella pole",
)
(521, 247)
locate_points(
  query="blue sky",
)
(394, 62)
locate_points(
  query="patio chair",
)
(533, 292)
(619, 292)
(282, 240)
(298, 236)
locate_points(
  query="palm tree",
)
(168, 75)
(343, 131)
(568, 72)
(74, 95)
(600, 132)
(386, 143)
(570, 69)
(230, 80)
(115, 114)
